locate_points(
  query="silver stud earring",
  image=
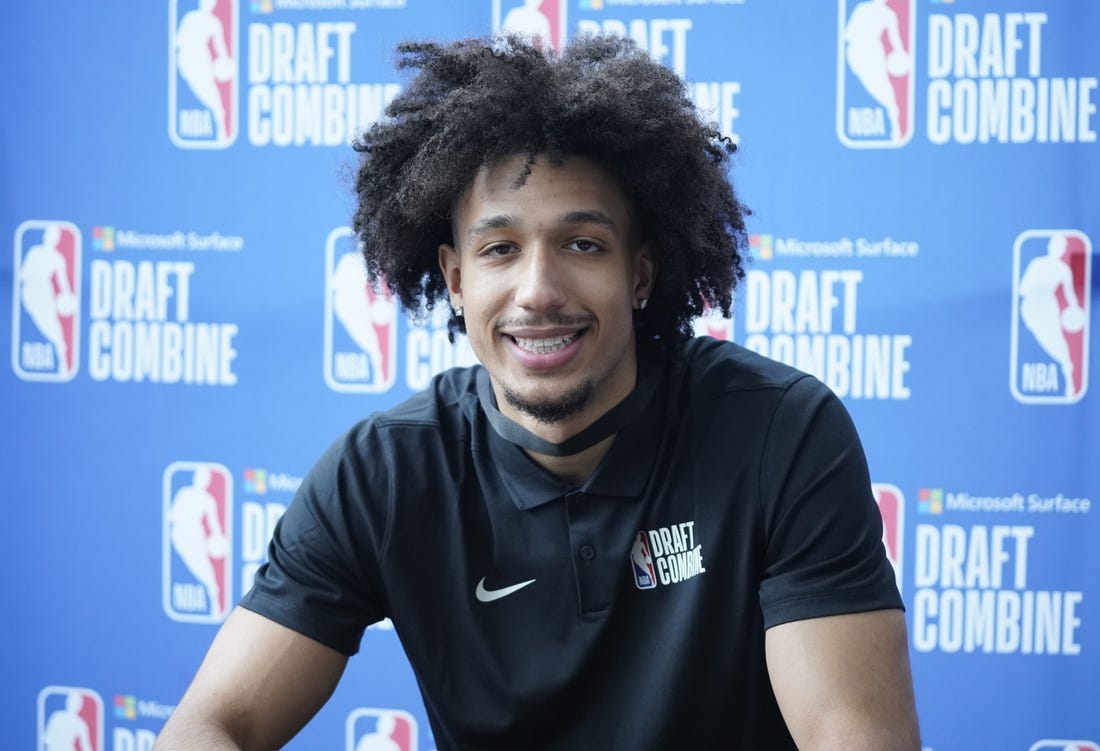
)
(458, 311)
(642, 303)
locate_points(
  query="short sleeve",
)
(823, 551)
(321, 578)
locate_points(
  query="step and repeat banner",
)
(189, 325)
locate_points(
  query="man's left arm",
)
(843, 682)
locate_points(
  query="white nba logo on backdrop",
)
(203, 75)
(360, 321)
(1051, 289)
(46, 301)
(197, 542)
(544, 21)
(875, 73)
(70, 718)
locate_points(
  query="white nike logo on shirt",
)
(488, 595)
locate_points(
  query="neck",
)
(575, 468)
(572, 455)
(558, 432)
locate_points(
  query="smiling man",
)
(547, 275)
(609, 534)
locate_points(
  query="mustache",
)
(551, 319)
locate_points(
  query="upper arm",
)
(843, 681)
(259, 684)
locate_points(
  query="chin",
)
(549, 408)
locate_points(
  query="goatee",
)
(549, 411)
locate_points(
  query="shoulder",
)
(724, 385)
(449, 395)
(421, 443)
(708, 368)
(430, 423)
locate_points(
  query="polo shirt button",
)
(588, 552)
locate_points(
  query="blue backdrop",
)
(188, 329)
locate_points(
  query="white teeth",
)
(543, 346)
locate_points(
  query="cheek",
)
(614, 292)
(482, 295)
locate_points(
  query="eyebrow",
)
(590, 216)
(500, 221)
(581, 216)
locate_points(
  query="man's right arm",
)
(259, 684)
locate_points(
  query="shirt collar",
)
(625, 468)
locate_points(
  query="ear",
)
(645, 274)
(450, 262)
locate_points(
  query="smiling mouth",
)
(547, 345)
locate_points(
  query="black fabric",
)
(748, 472)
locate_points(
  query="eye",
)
(584, 246)
(497, 250)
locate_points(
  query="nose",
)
(541, 279)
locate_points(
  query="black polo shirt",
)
(625, 613)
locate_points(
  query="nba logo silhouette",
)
(641, 563)
(542, 21)
(360, 321)
(875, 73)
(891, 506)
(203, 74)
(45, 322)
(1053, 745)
(1051, 285)
(197, 553)
(371, 729)
(69, 718)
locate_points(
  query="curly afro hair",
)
(475, 101)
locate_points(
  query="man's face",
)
(548, 275)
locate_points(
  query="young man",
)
(612, 535)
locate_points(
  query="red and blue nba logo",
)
(203, 73)
(1055, 745)
(641, 563)
(891, 506)
(45, 324)
(1051, 287)
(371, 729)
(543, 21)
(197, 548)
(360, 321)
(70, 718)
(875, 73)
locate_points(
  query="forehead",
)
(547, 191)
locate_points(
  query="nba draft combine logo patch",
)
(541, 20)
(381, 730)
(1051, 284)
(45, 322)
(203, 73)
(69, 718)
(891, 506)
(666, 555)
(875, 73)
(641, 563)
(360, 322)
(198, 528)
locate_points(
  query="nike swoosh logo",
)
(488, 595)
